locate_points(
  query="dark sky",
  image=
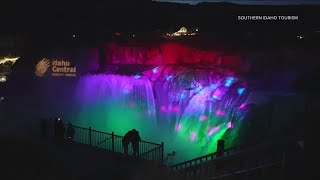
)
(268, 2)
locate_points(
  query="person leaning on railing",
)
(133, 137)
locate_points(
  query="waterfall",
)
(188, 109)
(115, 103)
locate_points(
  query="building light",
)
(3, 78)
(299, 36)
(7, 59)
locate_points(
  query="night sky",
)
(260, 2)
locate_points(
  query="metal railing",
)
(204, 159)
(237, 161)
(111, 142)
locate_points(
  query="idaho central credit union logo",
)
(42, 67)
(58, 68)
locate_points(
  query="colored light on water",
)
(193, 136)
(242, 106)
(178, 127)
(199, 88)
(127, 89)
(163, 108)
(133, 104)
(168, 78)
(240, 90)
(213, 130)
(213, 86)
(229, 81)
(203, 118)
(216, 94)
(155, 70)
(230, 124)
(183, 95)
(137, 76)
(220, 113)
(148, 112)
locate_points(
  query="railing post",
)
(220, 147)
(112, 141)
(162, 150)
(90, 142)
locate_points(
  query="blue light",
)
(168, 78)
(213, 86)
(137, 76)
(215, 97)
(183, 95)
(198, 89)
(229, 81)
(241, 90)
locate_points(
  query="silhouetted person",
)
(59, 130)
(133, 137)
(70, 132)
(135, 142)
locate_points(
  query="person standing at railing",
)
(126, 141)
(133, 137)
(135, 142)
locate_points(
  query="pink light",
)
(203, 118)
(175, 108)
(193, 136)
(128, 87)
(220, 113)
(164, 108)
(230, 125)
(213, 130)
(216, 94)
(178, 127)
(242, 106)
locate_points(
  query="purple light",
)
(242, 106)
(220, 113)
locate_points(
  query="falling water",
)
(188, 109)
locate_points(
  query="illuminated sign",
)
(57, 68)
